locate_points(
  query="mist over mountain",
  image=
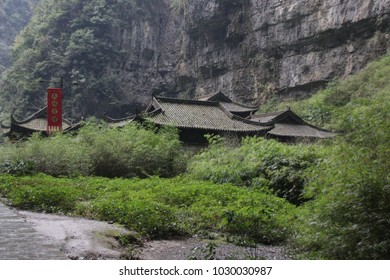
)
(115, 54)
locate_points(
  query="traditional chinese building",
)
(196, 118)
(230, 105)
(4, 129)
(214, 114)
(117, 123)
(34, 123)
(288, 126)
(218, 114)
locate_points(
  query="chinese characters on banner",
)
(54, 109)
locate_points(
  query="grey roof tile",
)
(201, 115)
(298, 130)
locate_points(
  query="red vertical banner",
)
(54, 109)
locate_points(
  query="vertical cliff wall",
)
(115, 54)
(251, 49)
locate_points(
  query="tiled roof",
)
(228, 103)
(217, 112)
(201, 115)
(4, 130)
(234, 107)
(287, 123)
(115, 123)
(267, 117)
(298, 130)
(217, 96)
(38, 122)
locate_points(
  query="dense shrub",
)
(182, 206)
(18, 167)
(57, 155)
(40, 193)
(257, 162)
(134, 151)
(158, 207)
(98, 150)
(350, 215)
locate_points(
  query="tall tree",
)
(71, 39)
(14, 16)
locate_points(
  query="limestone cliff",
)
(115, 54)
(251, 49)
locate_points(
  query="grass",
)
(155, 207)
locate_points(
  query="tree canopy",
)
(72, 39)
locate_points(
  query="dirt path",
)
(87, 239)
(19, 241)
(78, 238)
(195, 248)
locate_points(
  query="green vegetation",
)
(349, 216)
(74, 40)
(346, 104)
(14, 16)
(257, 163)
(328, 200)
(345, 182)
(347, 211)
(157, 207)
(98, 150)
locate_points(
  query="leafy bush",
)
(60, 155)
(146, 216)
(133, 151)
(18, 168)
(98, 150)
(350, 215)
(40, 194)
(173, 207)
(257, 163)
(157, 207)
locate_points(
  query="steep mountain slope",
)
(14, 15)
(348, 217)
(288, 47)
(115, 54)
